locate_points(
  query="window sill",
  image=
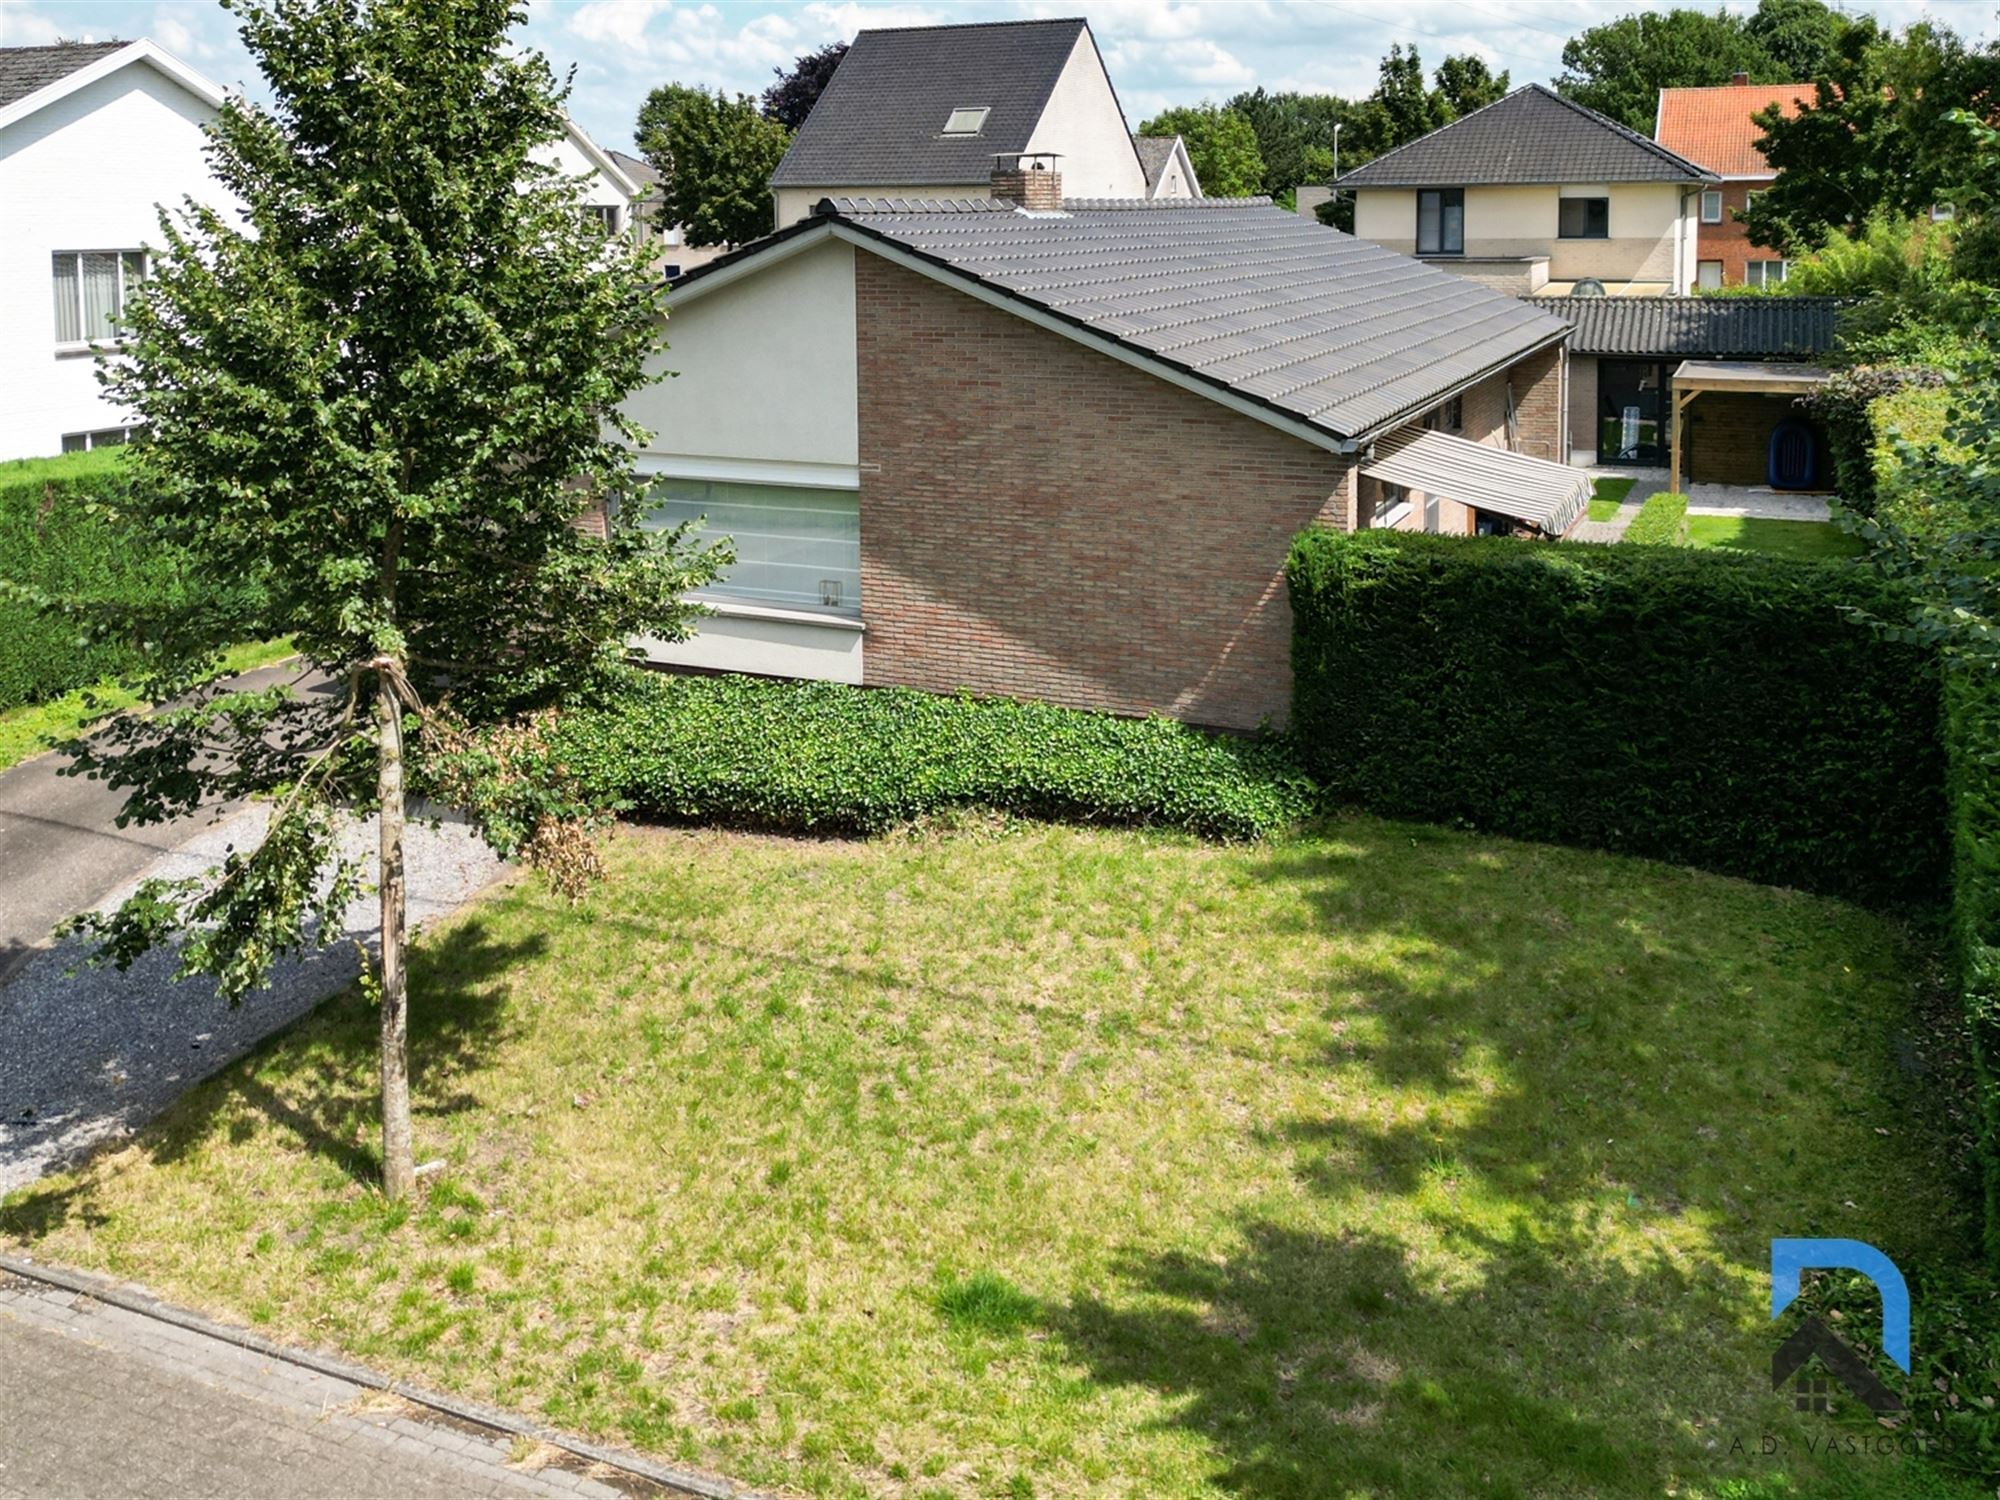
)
(84, 351)
(737, 609)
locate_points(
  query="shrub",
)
(1972, 741)
(59, 539)
(1917, 415)
(819, 757)
(1713, 710)
(1844, 406)
(1661, 522)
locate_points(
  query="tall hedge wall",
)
(53, 539)
(1973, 739)
(1711, 710)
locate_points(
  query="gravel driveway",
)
(85, 1058)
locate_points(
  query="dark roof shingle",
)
(1155, 151)
(1333, 331)
(1699, 327)
(29, 70)
(1534, 135)
(881, 119)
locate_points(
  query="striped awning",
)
(1548, 495)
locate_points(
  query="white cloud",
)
(24, 26)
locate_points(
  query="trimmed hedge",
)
(816, 757)
(54, 539)
(1973, 741)
(1710, 710)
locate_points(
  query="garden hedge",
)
(814, 757)
(1973, 741)
(1719, 711)
(56, 540)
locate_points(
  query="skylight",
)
(966, 120)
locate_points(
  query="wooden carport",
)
(1697, 375)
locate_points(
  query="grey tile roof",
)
(1534, 135)
(1312, 323)
(28, 70)
(1699, 327)
(1155, 151)
(637, 168)
(881, 119)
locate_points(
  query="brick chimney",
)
(1028, 181)
(1741, 80)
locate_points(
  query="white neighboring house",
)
(93, 137)
(672, 254)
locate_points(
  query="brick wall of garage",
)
(1728, 436)
(1040, 520)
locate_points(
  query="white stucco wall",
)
(569, 159)
(84, 173)
(1083, 123)
(766, 390)
(1648, 223)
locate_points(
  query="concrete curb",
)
(135, 1300)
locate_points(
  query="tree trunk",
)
(399, 1174)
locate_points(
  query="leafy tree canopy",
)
(715, 155)
(386, 394)
(1221, 144)
(1466, 84)
(1801, 37)
(791, 98)
(1618, 68)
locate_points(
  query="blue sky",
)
(1160, 52)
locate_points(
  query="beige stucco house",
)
(922, 112)
(1537, 195)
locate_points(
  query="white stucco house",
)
(93, 137)
(922, 112)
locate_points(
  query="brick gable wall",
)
(1040, 520)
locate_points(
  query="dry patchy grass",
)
(1035, 1161)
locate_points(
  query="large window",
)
(795, 548)
(1711, 207)
(107, 437)
(1583, 219)
(1763, 272)
(90, 291)
(1441, 221)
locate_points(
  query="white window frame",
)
(101, 437)
(70, 346)
(1711, 206)
(606, 214)
(966, 122)
(1759, 272)
(1943, 213)
(1703, 269)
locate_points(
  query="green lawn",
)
(1780, 538)
(1606, 495)
(1661, 522)
(1022, 1160)
(30, 729)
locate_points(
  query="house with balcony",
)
(1717, 126)
(1536, 195)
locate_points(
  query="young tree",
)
(715, 156)
(1801, 37)
(1405, 107)
(1221, 145)
(386, 397)
(1619, 68)
(791, 98)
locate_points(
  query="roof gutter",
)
(1388, 424)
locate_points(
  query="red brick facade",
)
(1041, 520)
(1729, 242)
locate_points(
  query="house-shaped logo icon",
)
(1813, 1339)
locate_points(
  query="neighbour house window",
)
(1764, 272)
(966, 120)
(1708, 274)
(1390, 509)
(603, 216)
(1749, 202)
(1583, 219)
(1943, 213)
(1450, 417)
(109, 437)
(1441, 221)
(90, 291)
(1711, 208)
(796, 548)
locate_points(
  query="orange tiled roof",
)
(1713, 126)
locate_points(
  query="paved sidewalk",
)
(97, 1403)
